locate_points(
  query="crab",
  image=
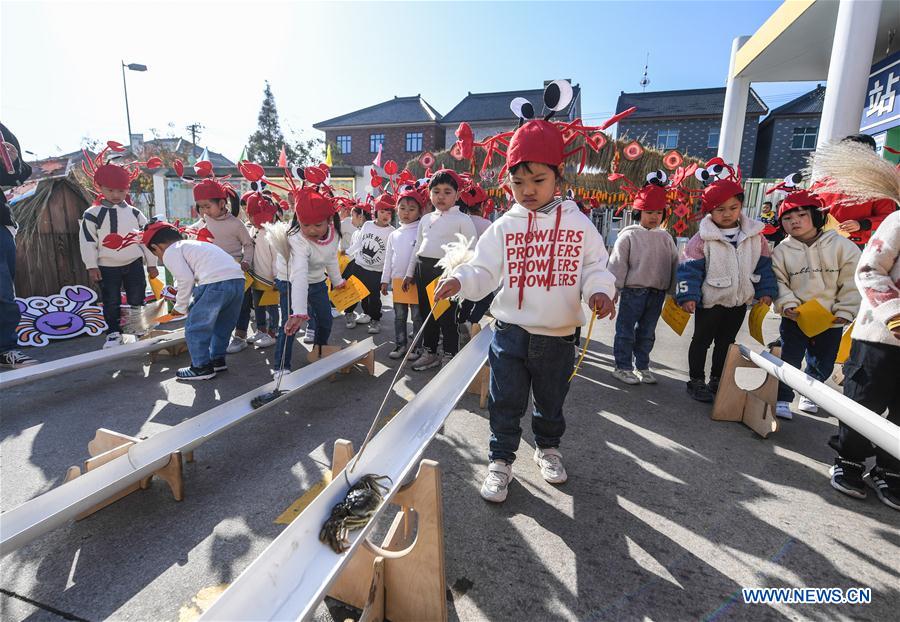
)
(68, 314)
(358, 506)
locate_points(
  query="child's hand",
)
(791, 313)
(602, 306)
(94, 275)
(766, 300)
(384, 289)
(406, 283)
(690, 306)
(340, 285)
(849, 226)
(294, 323)
(447, 288)
(152, 272)
(245, 266)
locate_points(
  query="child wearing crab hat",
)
(725, 266)
(547, 259)
(643, 260)
(113, 267)
(368, 252)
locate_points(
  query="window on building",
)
(375, 141)
(344, 144)
(712, 141)
(414, 142)
(667, 139)
(804, 138)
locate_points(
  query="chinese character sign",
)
(882, 105)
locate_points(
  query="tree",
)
(264, 145)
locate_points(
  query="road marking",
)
(201, 602)
(296, 508)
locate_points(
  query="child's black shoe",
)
(697, 389)
(219, 365)
(847, 476)
(886, 485)
(196, 373)
(713, 385)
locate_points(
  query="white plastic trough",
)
(292, 575)
(88, 359)
(54, 508)
(873, 426)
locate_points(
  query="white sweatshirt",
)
(310, 261)
(544, 279)
(263, 255)
(400, 246)
(347, 231)
(99, 221)
(369, 245)
(481, 224)
(198, 263)
(436, 229)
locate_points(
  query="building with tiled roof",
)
(788, 135)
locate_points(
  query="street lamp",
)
(132, 67)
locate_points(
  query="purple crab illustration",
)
(60, 316)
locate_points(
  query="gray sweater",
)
(644, 258)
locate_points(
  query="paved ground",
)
(666, 516)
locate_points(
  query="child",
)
(643, 260)
(368, 250)
(471, 202)
(725, 266)
(348, 226)
(811, 263)
(261, 211)
(538, 307)
(217, 203)
(114, 267)
(870, 372)
(359, 216)
(313, 254)
(435, 230)
(400, 246)
(217, 283)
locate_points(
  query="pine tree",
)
(264, 145)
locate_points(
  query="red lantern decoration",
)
(679, 226)
(673, 159)
(633, 150)
(427, 159)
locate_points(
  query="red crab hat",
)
(416, 193)
(536, 141)
(210, 189)
(312, 206)
(260, 209)
(103, 173)
(473, 194)
(112, 176)
(460, 183)
(723, 182)
(650, 198)
(152, 229)
(385, 202)
(799, 199)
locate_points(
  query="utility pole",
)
(194, 129)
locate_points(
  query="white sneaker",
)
(351, 321)
(362, 318)
(550, 461)
(646, 376)
(783, 410)
(336, 313)
(626, 375)
(112, 340)
(807, 405)
(494, 487)
(237, 344)
(264, 340)
(374, 327)
(278, 373)
(428, 361)
(255, 337)
(309, 336)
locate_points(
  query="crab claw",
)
(114, 146)
(113, 241)
(251, 171)
(154, 162)
(615, 176)
(203, 168)
(314, 174)
(390, 167)
(178, 165)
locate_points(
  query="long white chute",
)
(54, 508)
(88, 359)
(291, 576)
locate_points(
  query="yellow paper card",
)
(156, 285)
(673, 315)
(442, 305)
(844, 349)
(343, 260)
(408, 297)
(350, 294)
(248, 281)
(270, 297)
(755, 321)
(831, 224)
(814, 319)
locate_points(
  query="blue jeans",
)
(9, 310)
(401, 316)
(319, 310)
(639, 310)
(266, 317)
(130, 276)
(523, 364)
(283, 341)
(820, 352)
(211, 318)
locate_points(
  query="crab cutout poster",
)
(70, 313)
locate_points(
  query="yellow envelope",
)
(156, 285)
(831, 224)
(349, 295)
(442, 305)
(755, 321)
(248, 281)
(814, 318)
(343, 260)
(673, 315)
(844, 349)
(408, 297)
(270, 297)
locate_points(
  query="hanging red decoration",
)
(390, 167)
(682, 210)
(673, 159)
(633, 150)
(426, 159)
(679, 226)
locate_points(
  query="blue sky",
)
(60, 76)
